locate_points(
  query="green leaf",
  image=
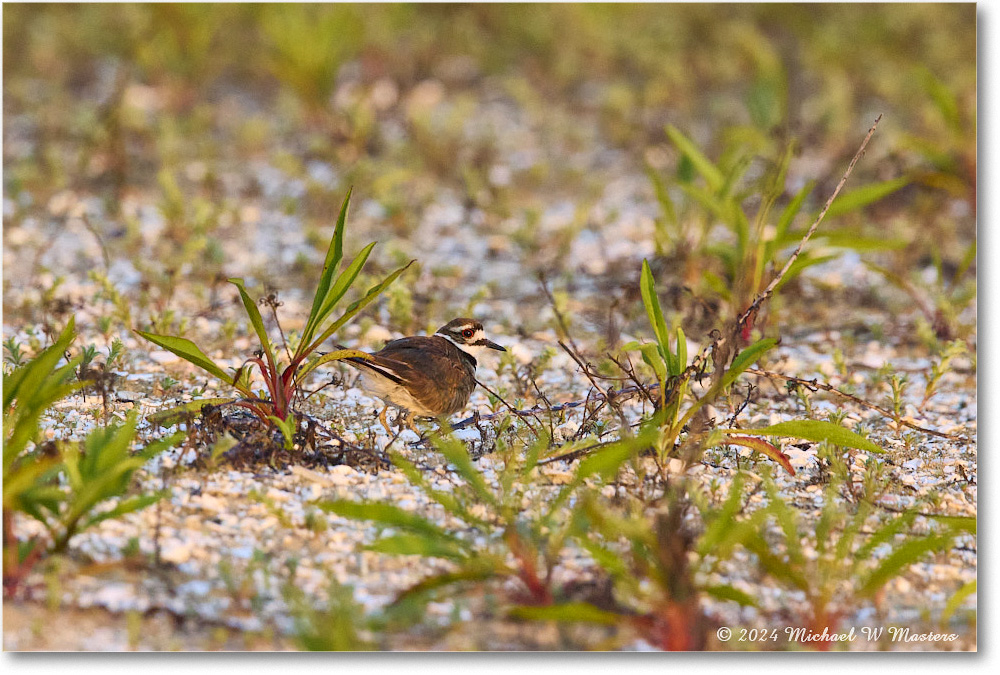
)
(813, 430)
(477, 569)
(900, 559)
(851, 238)
(340, 288)
(777, 567)
(338, 355)
(682, 354)
(965, 524)
(610, 561)
(803, 262)
(607, 461)
(653, 311)
(354, 308)
(385, 514)
(886, 533)
(852, 200)
(654, 359)
(963, 266)
(747, 358)
(412, 543)
(287, 427)
(255, 318)
(727, 592)
(566, 613)
(709, 171)
(188, 351)
(124, 507)
(333, 255)
(457, 454)
(721, 522)
(662, 196)
(30, 376)
(955, 601)
(792, 210)
(944, 99)
(449, 500)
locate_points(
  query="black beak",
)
(493, 345)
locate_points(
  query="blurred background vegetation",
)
(120, 100)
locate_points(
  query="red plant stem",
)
(277, 392)
(527, 571)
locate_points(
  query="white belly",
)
(393, 394)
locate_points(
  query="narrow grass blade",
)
(900, 559)
(682, 354)
(385, 514)
(457, 454)
(124, 507)
(794, 207)
(356, 307)
(886, 534)
(727, 592)
(570, 612)
(722, 521)
(965, 524)
(861, 197)
(341, 286)
(655, 314)
(412, 543)
(709, 171)
(30, 376)
(338, 355)
(955, 601)
(333, 255)
(255, 318)
(473, 571)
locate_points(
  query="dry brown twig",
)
(522, 414)
(721, 347)
(813, 385)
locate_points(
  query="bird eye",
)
(468, 332)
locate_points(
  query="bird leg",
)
(384, 421)
(407, 420)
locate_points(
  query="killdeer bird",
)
(426, 375)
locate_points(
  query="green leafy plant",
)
(27, 393)
(951, 351)
(337, 627)
(845, 568)
(65, 486)
(734, 267)
(282, 377)
(652, 560)
(503, 539)
(14, 355)
(676, 406)
(99, 471)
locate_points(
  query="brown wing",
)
(424, 364)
